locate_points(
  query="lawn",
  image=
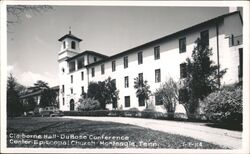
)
(48, 132)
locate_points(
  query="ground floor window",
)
(141, 101)
(127, 101)
(158, 100)
(183, 95)
(72, 105)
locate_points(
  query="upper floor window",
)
(125, 61)
(80, 63)
(71, 78)
(95, 59)
(63, 101)
(73, 44)
(127, 101)
(183, 70)
(157, 52)
(113, 66)
(72, 66)
(140, 76)
(205, 37)
(71, 90)
(64, 44)
(157, 75)
(140, 58)
(126, 82)
(102, 69)
(82, 89)
(82, 75)
(93, 71)
(182, 45)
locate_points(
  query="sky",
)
(33, 46)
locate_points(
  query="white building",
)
(156, 61)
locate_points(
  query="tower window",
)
(73, 44)
(71, 78)
(64, 44)
(82, 75)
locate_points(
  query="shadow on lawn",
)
(231, 126)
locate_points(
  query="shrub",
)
(225, 105)
(88, 104)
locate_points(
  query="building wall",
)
(169, 63)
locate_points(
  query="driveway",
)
(223, 137)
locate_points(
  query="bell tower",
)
(69, 46)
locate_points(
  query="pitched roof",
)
(70, 36)
(211, 21)
(87, 52)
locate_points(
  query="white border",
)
(246, 85)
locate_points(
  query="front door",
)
(72, 105)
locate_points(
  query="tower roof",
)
(69, 36)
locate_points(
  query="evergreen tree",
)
(14, 107)
(202, 75)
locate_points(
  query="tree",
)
(202, 75)
(30, 105)
(168, 94)
(48, 98)
(104, 91)
(14, 107)
(142, 90)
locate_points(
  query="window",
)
(102, 69)
(141, 101)
(62, 88)
(71, 90)
(157, 75)
(63, 101)
(157, 52)
(63, 70)
(140, 75)
(183, 95)
(82, 75)
(71, 78)
(95, 59)
(183, 70)
(140, 60)
(72, 66)
(73, 44)
(82, 89)
(182, 45)
(158, 100)
(125, 60)
(126, 82)
(113, 66)
(127, 101)
(93, 71)
(80, 63)
(64, 44)
(205, 37)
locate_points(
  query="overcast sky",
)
(33, 42)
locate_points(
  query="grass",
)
(137, 137)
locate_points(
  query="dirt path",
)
(223, 137)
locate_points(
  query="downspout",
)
(218, 52)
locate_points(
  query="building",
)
(35, 94)
(154, 61)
